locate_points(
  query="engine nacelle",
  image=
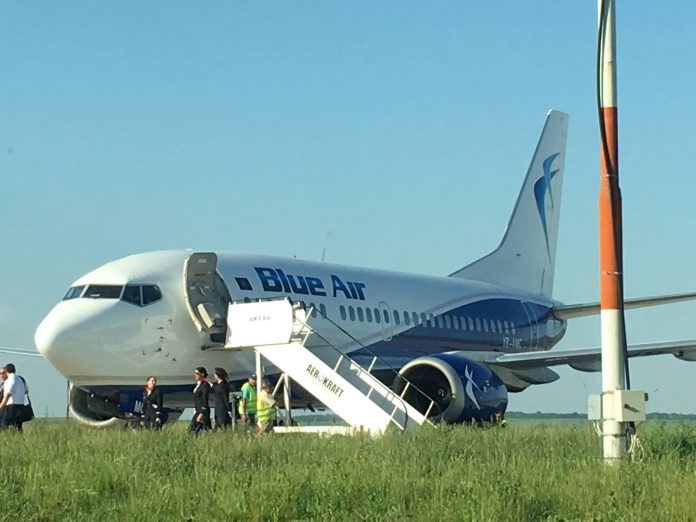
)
(464, 390)
(101, 411)
(94, 410)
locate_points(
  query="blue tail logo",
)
(541, 187)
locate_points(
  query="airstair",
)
(277, 330)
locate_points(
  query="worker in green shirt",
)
(247, 403)
(500, 419)
(266, 409)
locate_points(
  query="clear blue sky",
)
(394, 134)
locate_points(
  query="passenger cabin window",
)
(342, 311)
(397, 317)
(378, 316)
(322, 310)
(448, 322)
(361, 314)
(386, 316)
(351, 313)
(407, 318)
(243, 283)
(415, 318)
(74, 292)
(104, 291)
(368, 314)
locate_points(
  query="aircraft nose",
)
(51, 335)
(63, 331)
(81, 336)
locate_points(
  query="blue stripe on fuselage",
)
(540, 332)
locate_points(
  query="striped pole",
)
(610, 240)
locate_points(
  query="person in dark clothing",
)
(223, 409)
(153, 410)
(201, 394)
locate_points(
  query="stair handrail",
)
(387, 366)
(380, 383)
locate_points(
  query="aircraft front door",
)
(207, 295)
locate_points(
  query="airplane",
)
(466, 340)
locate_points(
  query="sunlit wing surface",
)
(585, 309)
(588, 359)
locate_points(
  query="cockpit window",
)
(131, 294)
(141, 295)
(151, 293)
(74, 292)
(104, 291)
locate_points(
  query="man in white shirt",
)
(12, 397)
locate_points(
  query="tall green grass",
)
(56, 471)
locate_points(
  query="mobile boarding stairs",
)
(277, 330)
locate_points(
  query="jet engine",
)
(464, 390)
(93, 410)
(102, 411)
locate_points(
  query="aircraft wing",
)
(584, 309)
(17, 351)
(587, 359)
(583, 359)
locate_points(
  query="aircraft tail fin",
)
(525, 258)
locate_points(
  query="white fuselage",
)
(96, 341)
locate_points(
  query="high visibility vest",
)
(264, 411)
(249, 391)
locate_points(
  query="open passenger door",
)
(206, 295)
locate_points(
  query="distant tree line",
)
(576, 415)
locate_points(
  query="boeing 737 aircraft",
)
(465, 340)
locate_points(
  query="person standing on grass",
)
(247, 404)
(266, 409)
(153, 410)
(201, 393)
(13, 392)
(223, 408)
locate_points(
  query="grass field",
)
(56, 471)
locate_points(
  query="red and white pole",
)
(610, 241)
